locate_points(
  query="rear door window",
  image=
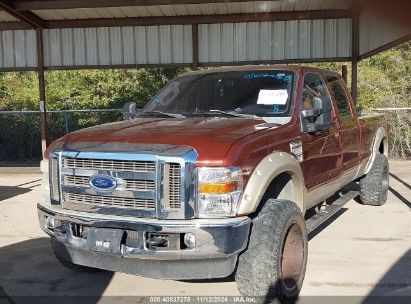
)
(340, 97)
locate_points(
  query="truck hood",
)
(211, 137)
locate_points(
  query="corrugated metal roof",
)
(194, 9)
(229, 42)
(133, 45)
(4, 17)
(168, 44)
(218, 43)
(280, 40)
(18, 49)
(376, 32)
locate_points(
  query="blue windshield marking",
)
(287, 78)
(157, 100)
(276, 108)
(280, 76)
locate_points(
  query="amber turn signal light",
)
(219, 188)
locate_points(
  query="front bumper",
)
(218, 243)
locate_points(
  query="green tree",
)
(84, 89)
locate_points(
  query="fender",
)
(267, 169)
(380, 136)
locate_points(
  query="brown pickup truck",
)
(215, 176)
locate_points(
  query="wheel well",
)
(383, 148)
(281, 187)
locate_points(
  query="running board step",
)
(316, 220)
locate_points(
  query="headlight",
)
(219, 190)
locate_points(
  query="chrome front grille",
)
(97, 200)
(54, 178)
(73, 180)
(109, 165)
(174, 185)
(149, 186)
(140, 185)
(132, 185)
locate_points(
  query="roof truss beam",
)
(200, 19)
(14, 25)
(24, 5)
(24, 16)
(181, 20)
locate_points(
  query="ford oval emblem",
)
(102, 183)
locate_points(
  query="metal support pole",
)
(42, 90)
(66, 122)
(354, 80)
(194, 29)
(355, 55)
(344, 72)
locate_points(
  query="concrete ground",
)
(365, 251)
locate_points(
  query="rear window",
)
(340, 97)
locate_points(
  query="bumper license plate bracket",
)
(105, 240)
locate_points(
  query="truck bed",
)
(369, 124)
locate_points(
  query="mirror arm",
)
(311, 113)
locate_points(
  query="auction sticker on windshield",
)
(272, 97)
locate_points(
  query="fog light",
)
(189, 240)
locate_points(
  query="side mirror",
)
(130, 111)
(319, 117)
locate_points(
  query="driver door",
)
(322, 151)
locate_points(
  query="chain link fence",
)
(399, 132)
(20, 139)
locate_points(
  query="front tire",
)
(374, 186)
(274, 264)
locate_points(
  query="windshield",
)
(263, 93)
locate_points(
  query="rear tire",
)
(72, 266)
(274, 264)
(374, 186)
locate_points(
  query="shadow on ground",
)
(400, 197)
(395, 285)
(398, 194)
(400, 180)
(7, 192)
(29, 273)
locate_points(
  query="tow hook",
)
(156, 242)
(61, 230)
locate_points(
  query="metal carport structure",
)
(39, 35)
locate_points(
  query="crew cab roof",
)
(294, 68)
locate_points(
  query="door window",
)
(313, 87)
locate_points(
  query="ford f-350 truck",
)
(213, 177)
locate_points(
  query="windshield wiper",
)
(173, 115)
(234, 114)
